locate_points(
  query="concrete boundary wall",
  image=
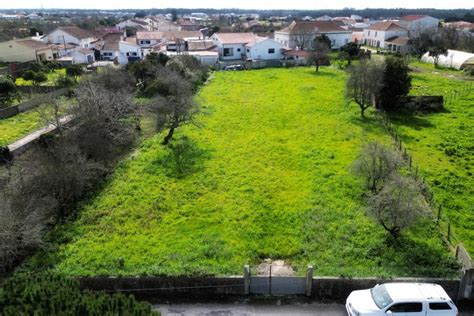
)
(323, 288)
(28, 105)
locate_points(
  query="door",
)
(407, 309)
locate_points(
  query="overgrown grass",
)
(265, 174)
(442, 144)
(22, 124)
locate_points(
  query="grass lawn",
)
(442, 145)
(22, 124)
(266, 174)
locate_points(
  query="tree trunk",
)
(317, 66)
(362, 112)
(169, 136)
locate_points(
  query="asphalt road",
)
(245, 309)
(256, 309)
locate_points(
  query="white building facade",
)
(378, 33)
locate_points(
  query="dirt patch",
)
(277, 268)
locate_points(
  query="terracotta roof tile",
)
(312, 26)
(76, 32)
(385, 26)
(235, 38)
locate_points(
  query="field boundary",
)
(322, 288)
(28, 105)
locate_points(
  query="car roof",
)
(421, 291)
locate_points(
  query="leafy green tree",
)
(140, 14)
(7, 90)
(438, 48)
(396, 83)
(174, 15)
(350, 51)
(74, 71)
(28, 75)
(39, 77)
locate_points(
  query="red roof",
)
(235, 38)
(385, 26)
(312, 26)
(412, 17)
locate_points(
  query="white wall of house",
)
(232, 51)
(11, 51)
(376, 38)
(81, 58)
(284, 39)
(128, 50)
(109, 54)
(61, 37)
(420, 25)
(265, 50)
(145, 43)
(292, 41)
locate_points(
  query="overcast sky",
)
(242, 4)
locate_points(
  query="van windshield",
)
(380, 296)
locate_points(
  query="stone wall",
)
(422, 104)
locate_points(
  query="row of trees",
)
(438, 42)
(42, 186)
(379, 84)
(396, 199)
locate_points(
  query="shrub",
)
(28, 75)
(74, 70)
(39, 77)
(7, 90)
(65, 82)
(50, 294)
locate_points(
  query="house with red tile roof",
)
(416, 24)
(25, 50)
(71, 35)
(379, 33)
(301, 34)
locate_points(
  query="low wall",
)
(168, 287)
(422, 104)
(9, 112)
(28, 105)
(323, 288)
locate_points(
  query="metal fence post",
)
(309, 280)
(246, 279)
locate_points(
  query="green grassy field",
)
(265, 174)
(442, 145)
(18, 126)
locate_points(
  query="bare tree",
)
(320, 51)
(364, 84)
(376, 163)
(398, 205)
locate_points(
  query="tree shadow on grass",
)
(322, 72)
(412, 121)
(183, 158)
(415, 258)
(369, 123)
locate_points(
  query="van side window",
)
(407, 308)
(440, 306)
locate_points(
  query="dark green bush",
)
(50, 294)
(7, 90)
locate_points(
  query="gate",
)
(271, 284)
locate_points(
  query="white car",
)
(401, 299)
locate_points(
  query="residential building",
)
(25, 50)
(71, 35)
(235, 46)
(378, 33)
(301, 35)
(162, 25)
(416, 24)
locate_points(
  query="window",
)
(440, 306)
(375, 34)
(333, 43)
(248, 50)
(271, 50)
(368, 33)
(407, 308)
(147, 42)
(238, 50)
(228, 52)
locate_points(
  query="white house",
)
(378, 33)
(71, 35)
(302, 34)
(82, 56)
(25, 50)
(234, 46)
(148, 39)
(416, 24)
(263, 48)
(161, 24)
